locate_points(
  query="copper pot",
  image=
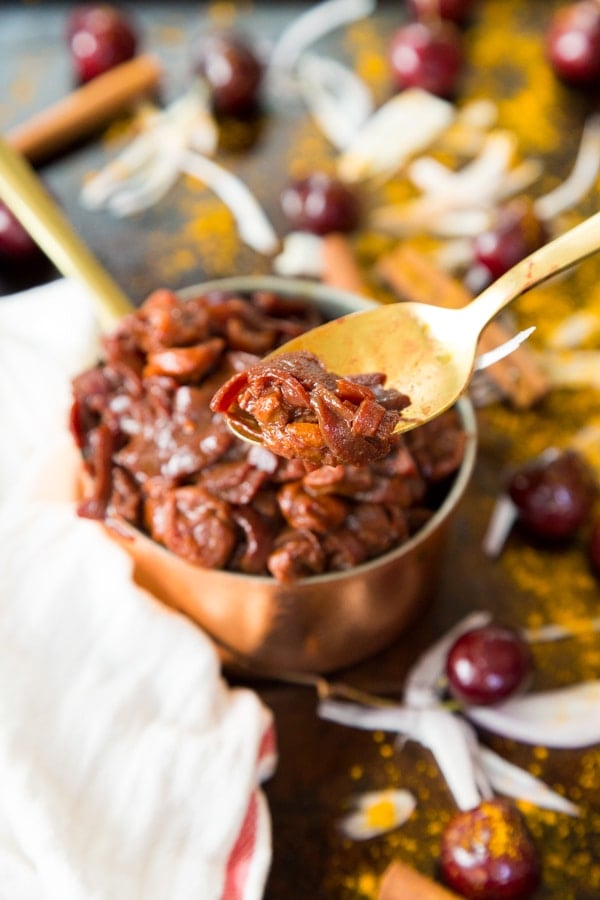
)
(320, 623)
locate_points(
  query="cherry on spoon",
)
(426, 351)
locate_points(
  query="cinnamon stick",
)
(401, 882)
(86, 109)
(340, 268)
(412, 277)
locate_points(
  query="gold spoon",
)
(426, 351)
(26, 196)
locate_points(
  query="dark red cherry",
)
(456, 11)
(573, 43)
(17, 247)
(594, 546)
(233, 72)
(516, 232)
(553, 493)
(320, 204)
(427, 55)
(488, 664)
(488, 854)
(100, 37)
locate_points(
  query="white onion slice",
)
(581, 179)
(504, 516)
(572, 331)
(337, 98)
(404, 126)
(580, 368)
(484, 360)
(454, 255)
(512, 781)
(314, 24)
(150, 164)
(458, 204)
(253, 225)
(395, 718)
(553, 632)
(454, 748)
(491, 163)
(565, 718)
(147, 187)
(449, 739)
(301, 256)
(480, 114)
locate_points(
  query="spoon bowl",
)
(428, 352)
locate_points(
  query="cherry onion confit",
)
(487, 853)
(488, 664)
(100, 37)
(573, 44)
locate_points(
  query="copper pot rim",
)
(339, 301)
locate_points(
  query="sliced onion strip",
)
(150, 164)
(565, 718)
(504, 515)
(453, 747)
(337, 98)
(577, 369)
(512, 781)
(301, 256)
(253, 225)
(582, 177)
(314, 24)
(404, 126)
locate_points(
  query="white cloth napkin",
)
(129, 769)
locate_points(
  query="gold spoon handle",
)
(25, 195)
(554, 257)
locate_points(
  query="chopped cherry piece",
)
(487, 853)
(427, 55)
(455, 10)
(100, 37)
(553, 494)
(320, 204)
(573, 43)
(516, 233)
(232, 71)
(488, 664)
(17, 247)
(594, 546)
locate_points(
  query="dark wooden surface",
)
(322, 765)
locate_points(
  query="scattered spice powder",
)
(529, 89)
(367, 48)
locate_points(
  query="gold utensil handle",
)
(548, 260)
(25, 195)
